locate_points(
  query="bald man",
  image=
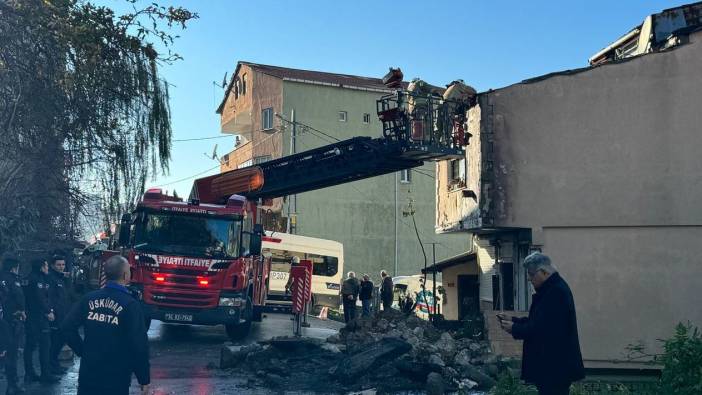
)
(115, 344)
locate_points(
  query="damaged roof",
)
(311, 77)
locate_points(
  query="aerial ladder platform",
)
(416, 128)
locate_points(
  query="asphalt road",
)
(184, 359)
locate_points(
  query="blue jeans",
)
(367, 303)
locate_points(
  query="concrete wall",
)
(602, 166)
(631, 284)
(449, 306)
(362, 214)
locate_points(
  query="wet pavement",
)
(185, 359)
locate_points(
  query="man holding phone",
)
(551, 357)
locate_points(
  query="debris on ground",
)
(387, 353)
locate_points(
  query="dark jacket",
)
(13, 295)
(58, 294)
(350, 286)
(366, 291)
(551, 350)
(114, 345)
(4, 329)
(37, 294)
(386, 288)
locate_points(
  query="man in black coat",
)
(59, 298)
(115, 343)
(40, 315)
(551, 356)
(386, 290)
(14, 317)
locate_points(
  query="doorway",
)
(468, 295)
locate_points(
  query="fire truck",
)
(199, 261)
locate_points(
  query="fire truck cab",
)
(196, 263)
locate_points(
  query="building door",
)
(468, 296)
(507, 272)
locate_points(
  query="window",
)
(246, 163)
(342, 116)
(457, 173)
(243, 84)
(406, 176)
(267, 118)
(324, 265)
(261, 159)
(236, 89)
(225, 160)
(366, 118)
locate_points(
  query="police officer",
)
(13, 317)
(59, 298)
(115, 344)
(39, 318)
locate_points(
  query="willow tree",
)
(84, 114)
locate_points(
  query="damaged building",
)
(600, 169)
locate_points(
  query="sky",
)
(488, 44)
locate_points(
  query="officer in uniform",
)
(13, 318)
(39, 318)
(115, 344)
(58, 295)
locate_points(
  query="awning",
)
(465, 257)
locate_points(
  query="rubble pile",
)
(389, 353)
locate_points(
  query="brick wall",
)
(501, 342)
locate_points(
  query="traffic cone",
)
(323, 313)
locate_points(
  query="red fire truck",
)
(199, 262)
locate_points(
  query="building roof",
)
(312, 77)
(453, 261)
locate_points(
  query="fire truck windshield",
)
(187, 235)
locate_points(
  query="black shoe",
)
(14, 389)
(49, 379)
(30, 377)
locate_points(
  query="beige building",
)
(599, 168)
(366, 216)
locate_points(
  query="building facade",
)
(600, 169)
(267, 105)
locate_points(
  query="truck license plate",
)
(179, 317)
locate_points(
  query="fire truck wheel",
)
(257, 314)
(241, 330)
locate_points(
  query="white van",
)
(327, 258)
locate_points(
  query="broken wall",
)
(603, 165)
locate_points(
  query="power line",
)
(205, 171)
(203, 138)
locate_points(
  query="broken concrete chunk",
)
(435, 384)
(475, 374)
(435, 359)
(376, 354)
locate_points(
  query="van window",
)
(324, 265)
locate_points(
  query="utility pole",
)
(292, 210)
(433, 275)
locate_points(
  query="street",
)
(184, 359)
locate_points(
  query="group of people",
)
(353, 290)
(32, 310)
(38, 309)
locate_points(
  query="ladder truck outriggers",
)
(199, 261)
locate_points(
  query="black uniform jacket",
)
(115, 343)
(551, 350)
(37, 294)
(13, 295)
(58, 295)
